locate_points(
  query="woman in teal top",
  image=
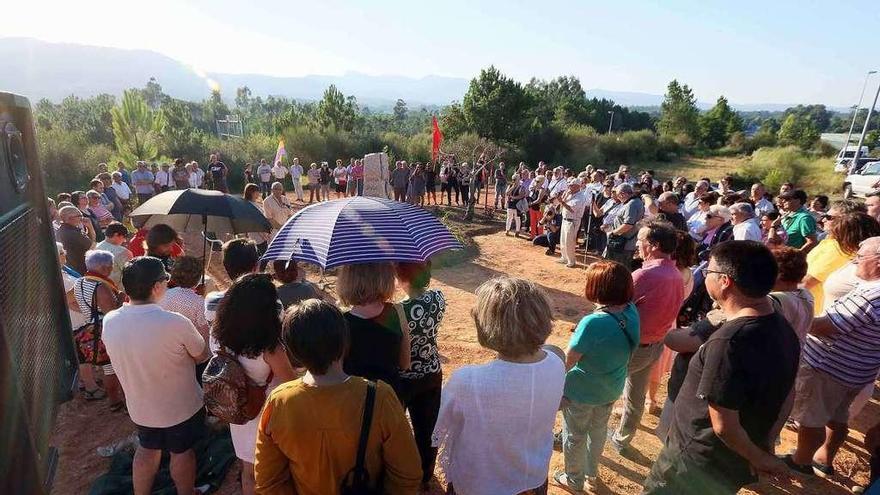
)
(596, 360)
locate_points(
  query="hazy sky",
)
(768, 51)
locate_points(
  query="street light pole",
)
(611, 123)
(856, 113)
(865, 129)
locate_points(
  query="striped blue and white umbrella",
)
(360, 229)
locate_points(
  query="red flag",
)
(438, 138)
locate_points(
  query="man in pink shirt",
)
(659, 293)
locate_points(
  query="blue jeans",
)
(584, 427)
(638, 374)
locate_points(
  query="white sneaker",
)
(562, 261)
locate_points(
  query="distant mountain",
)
(38, 69)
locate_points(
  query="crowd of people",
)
(762, 310)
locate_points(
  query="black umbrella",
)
(200, 210)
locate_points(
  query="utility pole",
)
(611, 123)
(865, 129)
(856, 113)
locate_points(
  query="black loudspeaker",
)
(37, 359)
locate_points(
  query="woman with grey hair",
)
(96, 296)
(495, 426)
(745, 225)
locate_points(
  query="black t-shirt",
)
(324, 176)
(676, 219)
(702, 329)
(748, 365)
(218, 170)
(374, 352)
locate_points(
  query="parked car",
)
(862, 182)
(843, 162)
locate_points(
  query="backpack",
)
(229, 393)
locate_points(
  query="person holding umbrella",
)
(380, 344)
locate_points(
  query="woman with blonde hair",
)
(380, 344)
(495, 427)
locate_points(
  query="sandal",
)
(92, 395)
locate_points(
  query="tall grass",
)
(774, 166)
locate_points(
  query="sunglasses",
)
(710, 216)
(828, 217)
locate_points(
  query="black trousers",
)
(421, 397)
(465, 192)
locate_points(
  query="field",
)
(84, 426)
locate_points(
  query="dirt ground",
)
(84, 426)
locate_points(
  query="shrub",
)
(775, 166)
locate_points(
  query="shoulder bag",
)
(89, 346)
(357, 481)
(621, 322)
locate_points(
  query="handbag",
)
(357, 481)
(89, 346)
(617, 243)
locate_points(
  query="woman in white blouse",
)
(495, 428)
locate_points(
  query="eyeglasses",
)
(707, 271)
(828, 217)
(710, 216)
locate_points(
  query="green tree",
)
(798, 130)
(335, 110)
(719, 124)
(818, 115)
(243, 98)
(136, 128)
(494, 106)
(153, 94)
(180, 138)
(214, 109)
(679, 117)
(400, 111)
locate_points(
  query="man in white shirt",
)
(123, 192)
(163, 178)
(264, 174)
(572, 203)
(196, 175)
(154, 353)
(745, 225)
(296, 172)
(279, 171)
(557, 184)
(692, 200)
(762, 205)
(277, 207)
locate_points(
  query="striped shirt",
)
(852, 355)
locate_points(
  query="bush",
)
(68, 161)
(775, 166)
